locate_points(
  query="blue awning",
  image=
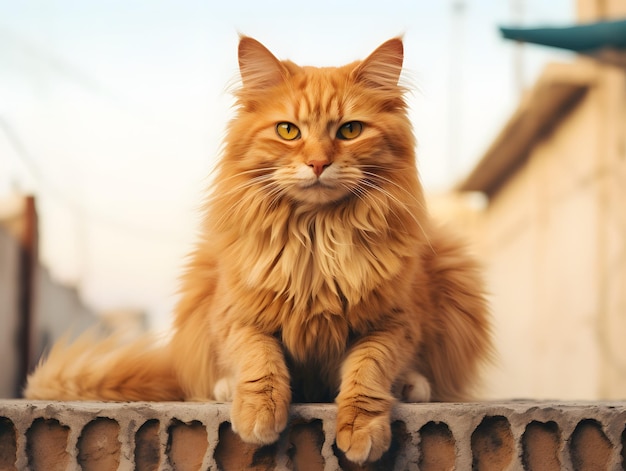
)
(579, 38)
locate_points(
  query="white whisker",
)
(401, 204)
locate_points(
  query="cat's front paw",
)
(363, 435)
(260, 410)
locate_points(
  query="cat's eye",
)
(288, 131)
(350, 130)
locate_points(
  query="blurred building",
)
(35, 310)
(553, 230)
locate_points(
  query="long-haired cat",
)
(318, 275)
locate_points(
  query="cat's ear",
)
(382, 67)
(258, 67)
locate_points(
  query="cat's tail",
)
(90, 368)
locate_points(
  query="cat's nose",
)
(318, 166)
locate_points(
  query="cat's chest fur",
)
(309, 276)
(319, 263)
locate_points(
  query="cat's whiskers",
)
(260, 182)
(391, 182)
(263, 173)
(377, 176)
(381, 197)
(401, 204)
(359, 193)
(274, 196)
(263, 186)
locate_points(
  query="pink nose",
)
(318, 166)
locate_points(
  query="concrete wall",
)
(52, 308)
(193, 436)
(9, 267)
(58, 310)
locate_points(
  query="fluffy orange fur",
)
(318, 276)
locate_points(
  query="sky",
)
(112, 112)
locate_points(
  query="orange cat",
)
(319, 275)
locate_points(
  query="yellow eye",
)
(287, 131)
(350, 130)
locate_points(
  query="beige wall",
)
(553, 239)
(591, 10)
(611, 202)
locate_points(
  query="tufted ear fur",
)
(258, 67)
(382, 67)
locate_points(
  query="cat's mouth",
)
(317, 183)
(319, 191)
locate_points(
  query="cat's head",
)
(318, 136)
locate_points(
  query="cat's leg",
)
(224, 389)
(412, 386)
(365, 395)
(262, 392)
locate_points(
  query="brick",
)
(305, 445)
(544, 436)
(492, 443)
(8, 444)
(541, 444)
(187, 444)
(46, 445)
(99, 446)
(148, 446)
(437, 447)
(589, 446)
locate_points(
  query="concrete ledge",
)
(41, 435)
